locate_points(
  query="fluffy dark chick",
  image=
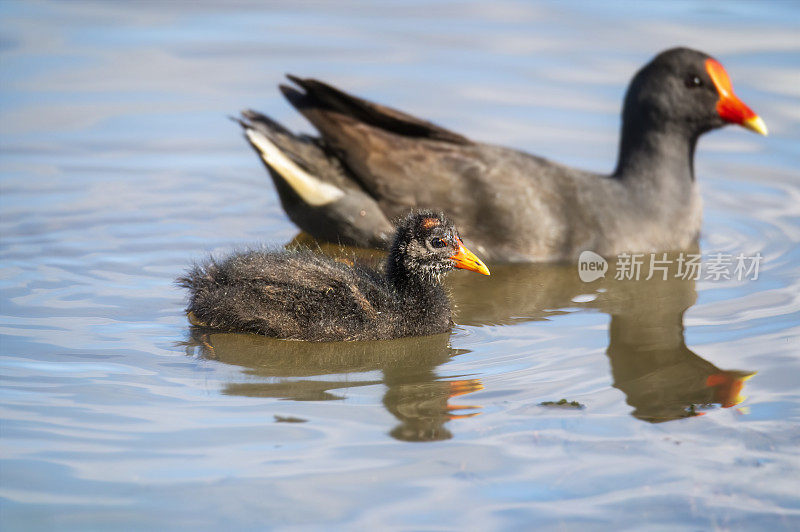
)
(304, 296)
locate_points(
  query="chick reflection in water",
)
(660, 376)
(304, 371)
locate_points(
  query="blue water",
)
(118, 167)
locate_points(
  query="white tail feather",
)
(309, 188)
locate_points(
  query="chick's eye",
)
(438, 243)
(693, 81)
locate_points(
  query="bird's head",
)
(688, 90)
(427, 246)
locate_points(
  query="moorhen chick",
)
(301, 295)
(372, 163)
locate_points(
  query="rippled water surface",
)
(119, 168)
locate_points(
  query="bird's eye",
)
(438, 243)
(692, 81)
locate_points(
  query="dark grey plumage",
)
(305, 296)
(514, 206)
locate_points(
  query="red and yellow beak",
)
(730, 108)
(467, 260)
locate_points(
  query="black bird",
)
(305, 296)
(373, 163)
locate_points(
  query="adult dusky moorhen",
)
(373, 163)
(306, 296)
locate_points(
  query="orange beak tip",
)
(755, 123)
(465, 259)
(478, 267)
(482, 269)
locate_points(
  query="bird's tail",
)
(292, 160)
(198, 278)
(317, 192)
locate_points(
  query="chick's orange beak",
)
(730, 108)
(467, 260)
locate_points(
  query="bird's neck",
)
(659, 152)
(409, 282)
(427, 294)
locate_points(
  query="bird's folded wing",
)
(398, 159)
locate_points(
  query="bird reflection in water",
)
(660, 376)
(304, 371)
